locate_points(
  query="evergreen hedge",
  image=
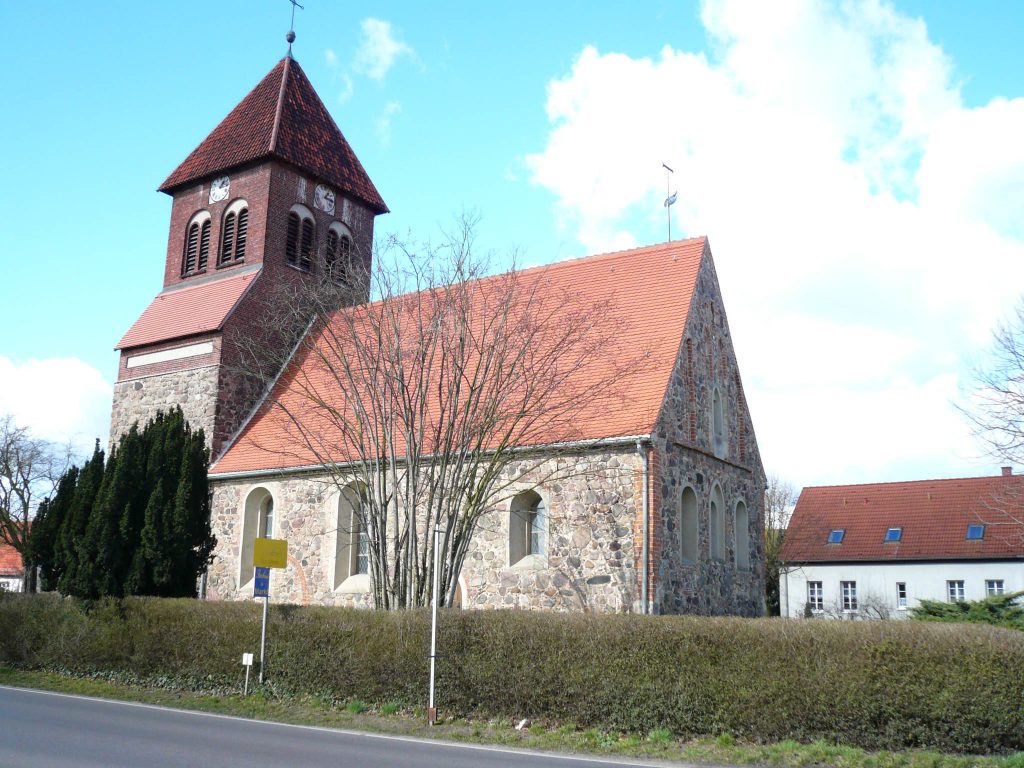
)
(876, 685)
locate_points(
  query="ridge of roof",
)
(608, 255)
(282, 117)
(884, 483)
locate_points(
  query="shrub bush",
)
(870, 684)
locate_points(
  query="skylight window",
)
(836, 536)
(894, 534)
(975, 532)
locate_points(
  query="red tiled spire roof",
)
(934, 515)
(652, 287)
(189, 310)
(281, 117)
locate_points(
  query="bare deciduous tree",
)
(779, 498)
(423, 400)
(30, 468)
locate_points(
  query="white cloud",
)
(60, 399)
(378, 50)
(865, 222)
(391, 109)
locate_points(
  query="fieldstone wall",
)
(139, 400)
(592, 563)
(685, 455)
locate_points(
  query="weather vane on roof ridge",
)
(290, 37)
(670, 199)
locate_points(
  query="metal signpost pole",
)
(432, 710)
(263, 634)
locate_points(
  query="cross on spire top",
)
(290, 37)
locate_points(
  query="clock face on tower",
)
(219, 189)
(323, 198)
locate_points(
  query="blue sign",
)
(261, 584)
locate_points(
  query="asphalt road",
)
(43, 730)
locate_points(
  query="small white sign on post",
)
(247, 663)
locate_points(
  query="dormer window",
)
(337, 253)
(894, 534)
(234, 233)
(836, 536)
(197, 244)
(975, 532)
(299, 244)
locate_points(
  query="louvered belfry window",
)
(331, 257)
(291, 248)
(191, 249)
(306, 250)
(232, 241)
(204, 245)
(227, 239)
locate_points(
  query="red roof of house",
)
(186, 311)
(10, 561)
(649, 288)
(281, 117)
(934, 515)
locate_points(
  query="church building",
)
(665, 514)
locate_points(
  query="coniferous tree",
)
(79, 572)
(44, 539)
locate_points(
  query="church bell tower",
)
(274, 195)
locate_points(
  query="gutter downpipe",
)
(645, 587)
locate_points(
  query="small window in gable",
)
(718, 424)
(894, 534)
(298, 247)
(836, 536)
(234, 233)
(197, 244)
(975, 532)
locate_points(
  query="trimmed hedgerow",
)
(876, 685)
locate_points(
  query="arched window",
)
(257, 523)
(741, 535)
(528, 529)
(718, 423)
(717, 524)
(337, 252)
(234, 233)
(352, 544)
(298, 247)
(688, 527)
(197, 244)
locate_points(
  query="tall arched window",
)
(742, 537)
(197, 244)
(267, 518)
(717, 524)
(234, 233)
(257, 523)
(352, 544)
(337, 253)
(299, 241)
(688, 528)
(528, 529)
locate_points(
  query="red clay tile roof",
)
(281, 117)
(934, 515)
(196, 308)
(10, 561)
(650, 287)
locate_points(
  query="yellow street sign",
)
(270, 553)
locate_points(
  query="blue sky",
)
(857, 167)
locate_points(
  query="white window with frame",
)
(955, 591)
(352, 544)
(267, 518)
(994, 587)
(815, 596)
(849, 592)
(901, 595)
(528, 531)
